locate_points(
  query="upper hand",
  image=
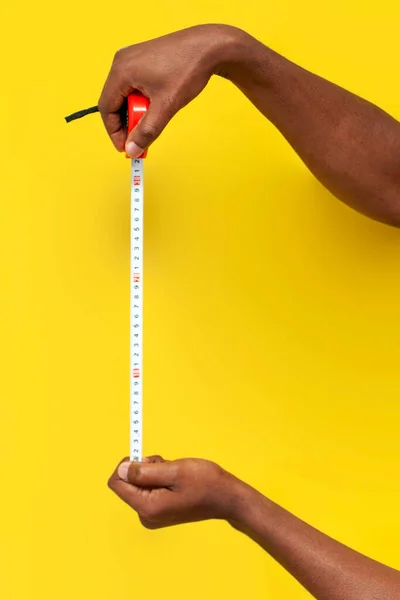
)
(170, 71)
(167, 493)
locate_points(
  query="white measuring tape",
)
(137, 106)
(136, 313)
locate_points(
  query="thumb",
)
(148, 475)
(148, 129)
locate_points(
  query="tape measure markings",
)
(136, 311)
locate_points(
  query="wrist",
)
(242, 58)
(232, 53)
(239, 502)
(224, 48)
(253, 513)
(245, 61)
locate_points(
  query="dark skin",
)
(166, 493)
(353, 148)
(350, 145)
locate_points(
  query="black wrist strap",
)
(82, 113)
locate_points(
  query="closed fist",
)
(165, 493)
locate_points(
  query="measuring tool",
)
(137, 106)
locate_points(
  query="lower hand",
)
(165, 493)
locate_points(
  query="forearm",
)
(350, 145)
(327, 569)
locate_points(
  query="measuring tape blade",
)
(137, 105)
(136, 317)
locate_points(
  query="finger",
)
(116, 129)
(128, 493)
(114, 476)
(148, 475)
(149, 128)
(111, 103)
(156, 458)
(125, 491)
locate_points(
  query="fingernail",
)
(133, 150)
(123, 471)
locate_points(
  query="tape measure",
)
(137, 106)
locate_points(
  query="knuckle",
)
(119, 70)
(151, 512)
(102, 106)
(148, 524)
(179, 469)
(119, 54)
(157, 458)
(149, 132)
(111, 482)
(172, 101)
(137, 473)
(148, 515)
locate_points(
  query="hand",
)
(171, 71)
(165, 493)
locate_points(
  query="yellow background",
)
(272, 311)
